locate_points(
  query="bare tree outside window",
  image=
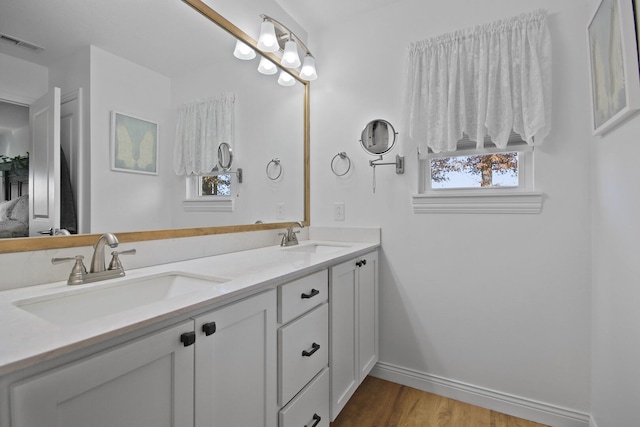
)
(488, 170)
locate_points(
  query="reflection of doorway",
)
(14, 145)
(15, 140)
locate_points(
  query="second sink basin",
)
(315, 248)
(85, 304)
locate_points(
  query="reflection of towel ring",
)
(276, 162)
(343, 156)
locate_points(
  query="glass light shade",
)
(267, 42)
(243, 51)
(286, 79)
(267, 67)
(308, 71)
(290, 58)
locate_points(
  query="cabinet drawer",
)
(303, 346)
(300, 296)
(310, 407)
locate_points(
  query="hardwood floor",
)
(380, 403)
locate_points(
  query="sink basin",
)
(315, 248)
(85, 304)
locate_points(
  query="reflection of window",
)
(214, 185)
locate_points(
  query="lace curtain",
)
(483, 81)
(201, 127)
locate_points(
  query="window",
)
(478, 181)
(209, 193)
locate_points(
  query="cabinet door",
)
(343, 359)
(236, 364)
(148, 382)
(353, 303)
(367, 314)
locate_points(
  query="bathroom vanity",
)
(269, 336)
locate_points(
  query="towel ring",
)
(343, 156)
(276, 162)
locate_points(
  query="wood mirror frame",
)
(43, 243)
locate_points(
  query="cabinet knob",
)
(311, 294)
(316, 420)
(209, 328)
(188, 338)
(314, 347)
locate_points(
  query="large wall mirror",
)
(144, 60)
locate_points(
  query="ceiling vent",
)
(21, 43)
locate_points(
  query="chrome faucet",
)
(79, 274)
(97, 262)
(289, 237)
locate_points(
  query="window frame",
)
(520, 199)
(195, 202)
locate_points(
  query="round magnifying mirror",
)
(225, 156)
(378, 137)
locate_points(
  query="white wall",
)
(497, 302)
(616, 292)
(22, 81)
(118, 197)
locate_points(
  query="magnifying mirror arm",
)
(399, 163)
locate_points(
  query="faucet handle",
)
(77, 272)
(115, 263)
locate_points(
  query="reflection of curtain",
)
(486, 80)
(201, 127)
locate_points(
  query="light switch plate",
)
(338, 211)
(280, 213)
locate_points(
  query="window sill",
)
(206, 204)
(512, 203)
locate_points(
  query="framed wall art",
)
(134, 144)
(613, 55)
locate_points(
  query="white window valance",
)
(483, 81)
(201, 126)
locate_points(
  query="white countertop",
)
(27, 339)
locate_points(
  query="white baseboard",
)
(516, 406)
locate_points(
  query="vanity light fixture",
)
(268, 42)
(243, 51)
(286, 79)
(275, 37)
(290, 58)
(267, 67)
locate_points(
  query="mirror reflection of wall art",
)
(613, 52)
(134, 144)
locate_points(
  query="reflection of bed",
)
(14, 217)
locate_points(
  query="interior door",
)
(44, 165)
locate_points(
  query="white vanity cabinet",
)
(224, 361)
(303, 351)
(145, 383)
(353, 293)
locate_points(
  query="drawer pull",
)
(314, 347)
(311, 294)
(316, 419)
(209, 328)
(188, 338)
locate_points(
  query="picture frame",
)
(134, 144)
(613, 60)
